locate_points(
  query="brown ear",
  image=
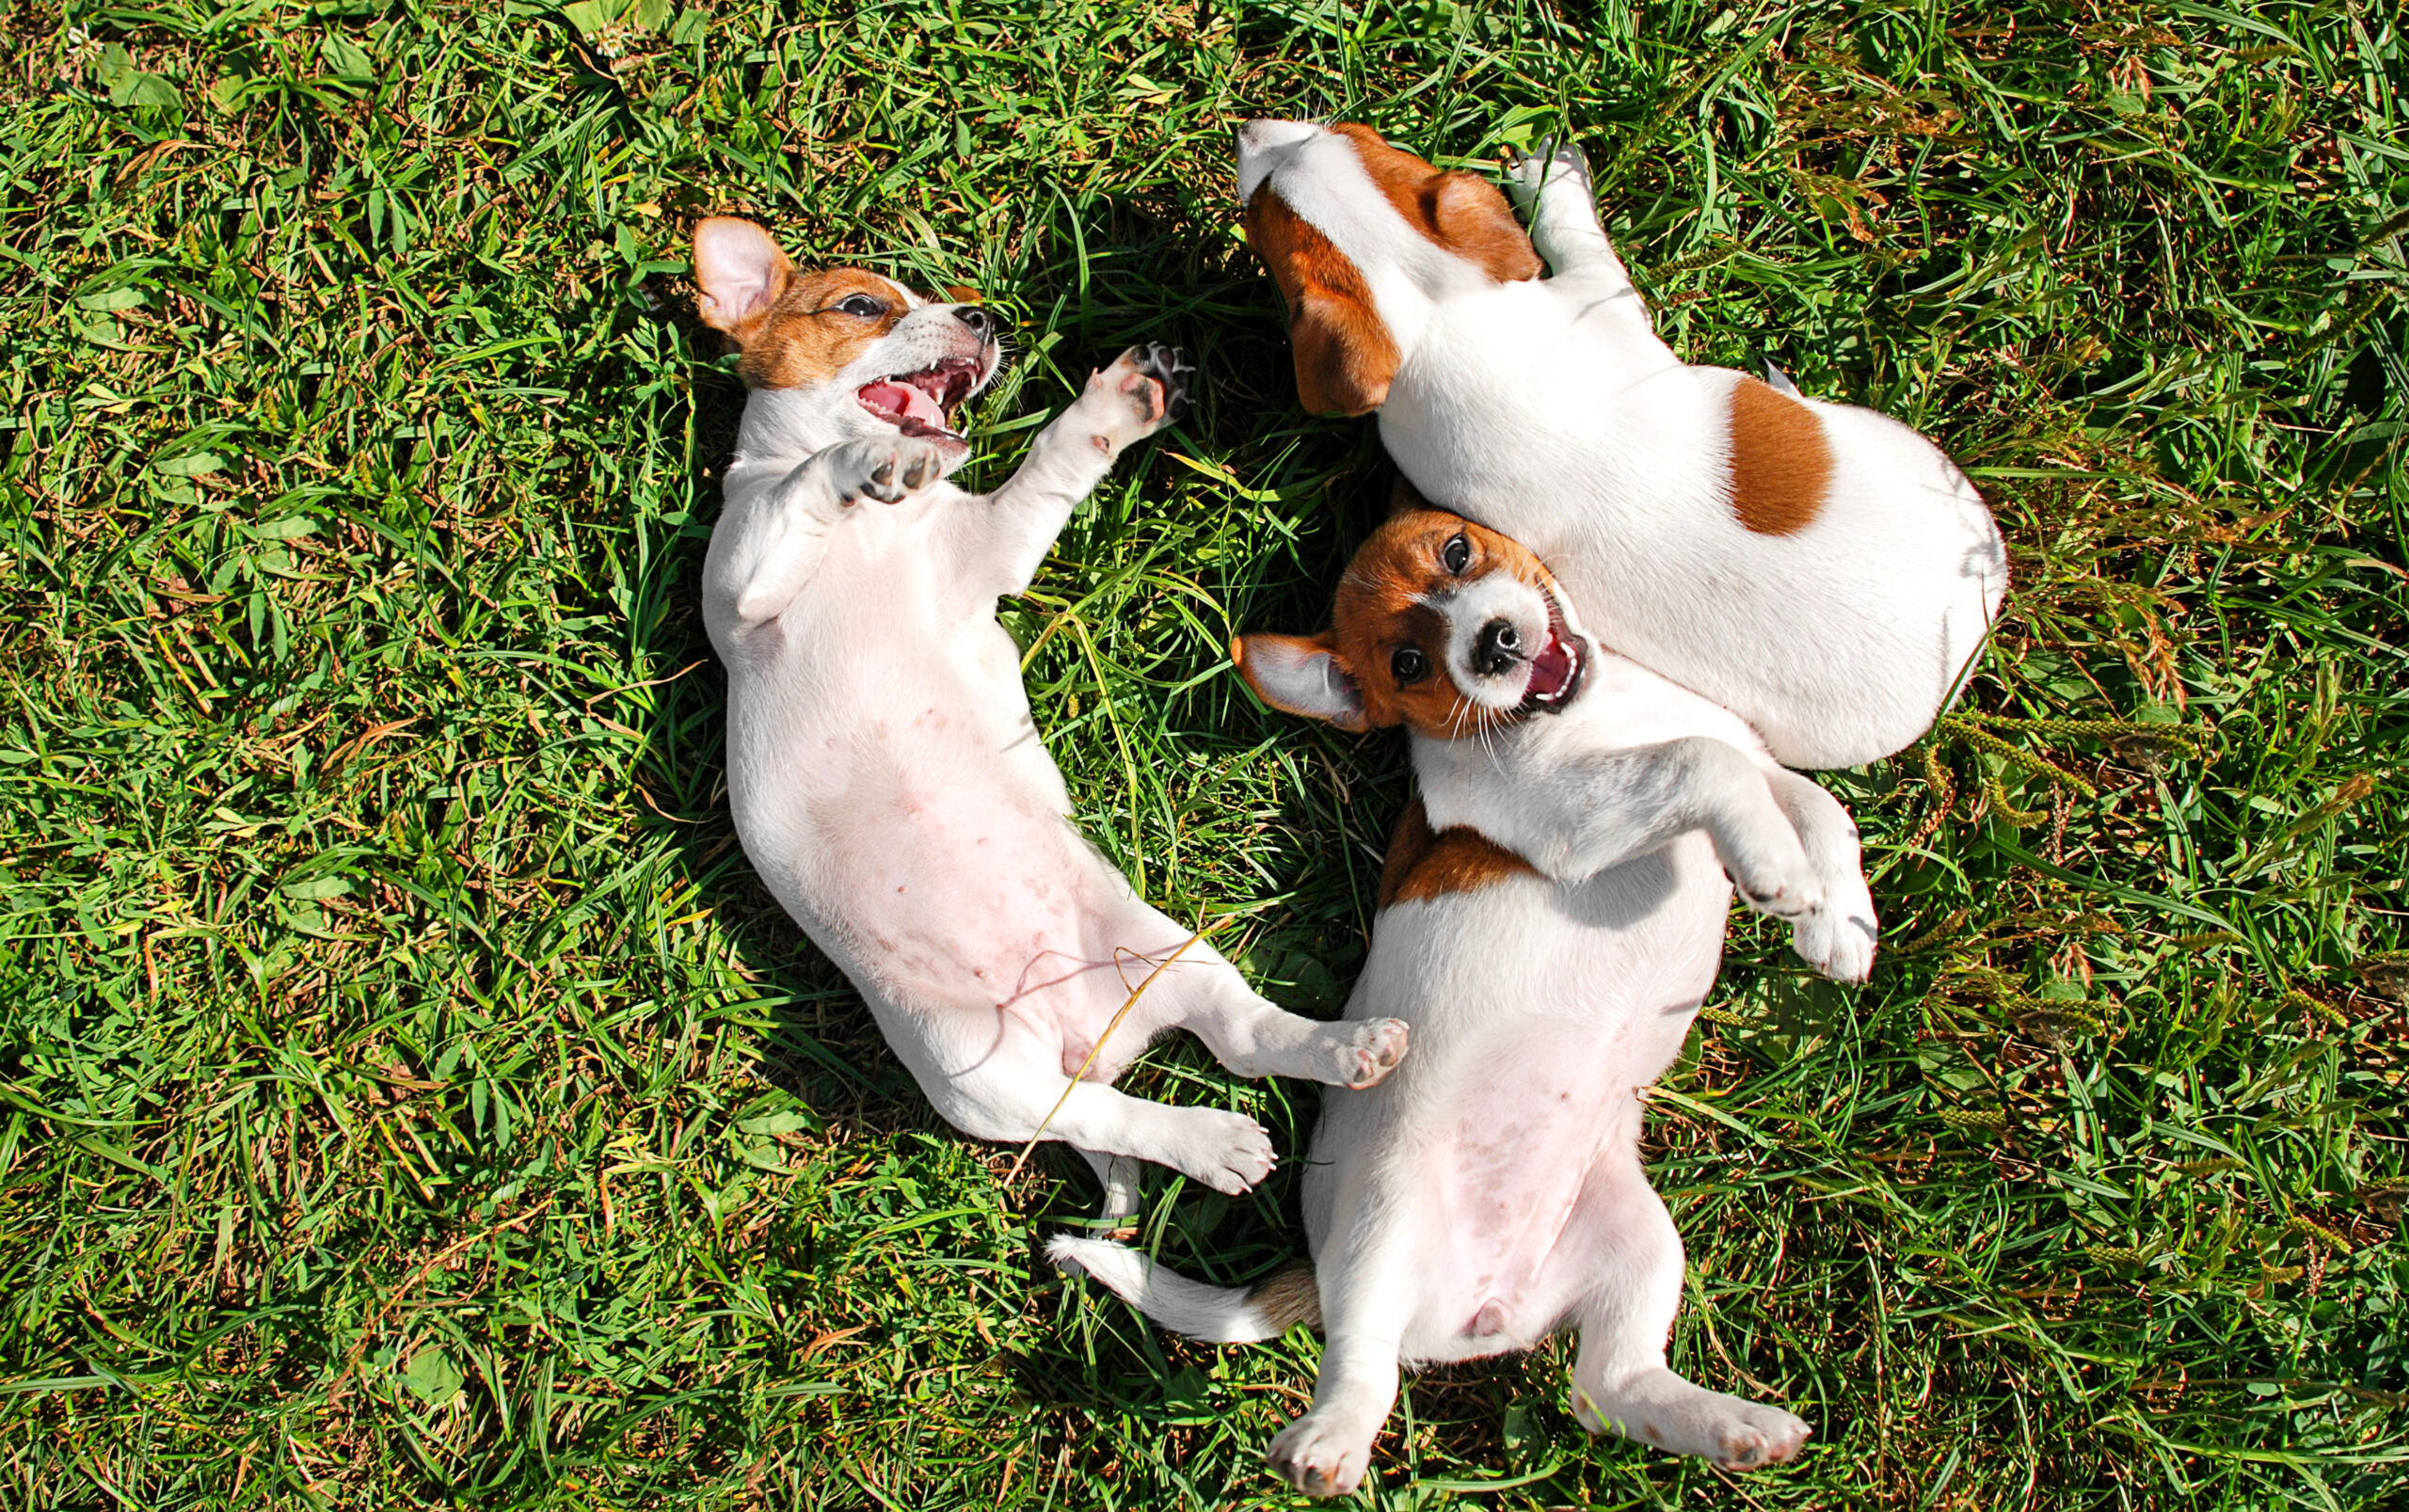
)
(1345, 355)
(1472, 217)
(741, 274)
(1301, 675)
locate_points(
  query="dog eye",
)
(861, 303)
(1457, 554)
(1409, 664)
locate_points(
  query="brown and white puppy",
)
(1821, 570)
(885, 777)
(1551, 917)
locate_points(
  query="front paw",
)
(888, 469)
(1149, 385)
(1837, 940)
(1555, 159)
(1781, 892)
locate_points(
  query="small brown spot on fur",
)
(1289, 1296)
(1781, 465)
(1424, 864)
(1345, 355)
(1461, 212)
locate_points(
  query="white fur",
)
(1223, 1314)
(1550, 410)
(890, 788)
(1489, 1190)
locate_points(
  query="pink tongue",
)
(1549, 668)
(903, 399)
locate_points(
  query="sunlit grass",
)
(408, 1096)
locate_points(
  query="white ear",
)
(740, 271)
(1301, 675)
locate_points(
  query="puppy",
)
(1550, 914)
(1821, 570)
(885, 777)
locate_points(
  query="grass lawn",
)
(410, 1097)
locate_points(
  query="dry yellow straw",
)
(1097, 1048)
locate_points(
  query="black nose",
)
(976, 319)
(1500, 647)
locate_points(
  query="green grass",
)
(408, 1096)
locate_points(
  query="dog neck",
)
(783, 427)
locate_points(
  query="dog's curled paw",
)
(1755, 1433)
(1366, 1051)
(1318, 1457)
(1550, 159)
(1154, 380)
(1837, 944)
(886, 469)
(1794, 900)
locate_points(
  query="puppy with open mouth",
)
(885, 777)
(1551, 917)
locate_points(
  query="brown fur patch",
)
(1345, 355)
(803, 340)
(1289, 1296)
(1781, 465)
(1423, 863)
(1461, 212)
(1380, 612)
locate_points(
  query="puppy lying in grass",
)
(1551, 916)
(1819, 569)
(885, 777)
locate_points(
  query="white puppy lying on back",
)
(885, 778)
(1821, 570)
(1551, 916)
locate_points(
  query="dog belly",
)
(1539, 1013)
(915, 844)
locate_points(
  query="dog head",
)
(1442, 626)
(1361, 237)
(861, 354)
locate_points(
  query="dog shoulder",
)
(1423, 863)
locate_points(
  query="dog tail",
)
(1221, 1314)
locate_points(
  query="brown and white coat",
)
(1822, 570)
(1551, 916)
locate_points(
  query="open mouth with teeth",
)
(1555, 671)
(923, 404)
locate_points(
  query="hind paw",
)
(1367, 1051)
(1321, 1458)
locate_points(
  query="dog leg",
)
(784, 534)
(1255, 1037)
(1004, 538)
(1326, 1452)
(1550, 184)
(1836, 939)
(1118, 1174)
(1366, 1301)
(1227, 1152)
(1620, 1381)
(1601, 810)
